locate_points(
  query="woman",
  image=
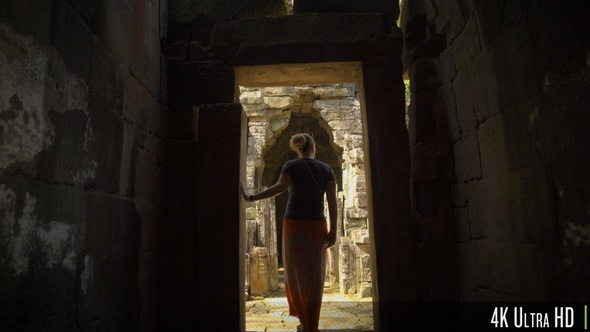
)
(305, 233)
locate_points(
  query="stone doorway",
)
(307, 48)
(332, 114)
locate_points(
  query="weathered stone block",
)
(353, 223)
(274, 114)
(365, 290)
(513, 207)
(141, 108)
(334, 103)
(331, 92)
(493, 19)
(532, 192)
(459, 194)
(348, 6)
(446, 128)
(186, 11)
(462, 86)
(462, 227)
(363, 267)
(250, 97)
(513, 269)
(280, 90)
(145, 48)
(259, 271)
(251, 213)
(112, 227)
(151, 143)
(447, 121)
(523, 147)
(151, 223)
(466, 46)
(119, 274)
(449, 19)
(128, 160)
(347, 266)
(108, 78)
(279, 124)
(338, 112)
(490, 209)
(357, 156)
(360, 201)
(356, 213)
(492, 147)
(513, 53)
(467, 158)
(247, 42)
(148, 184)
(69, 29)
(113, 26)
(76, 156)
(445, 157)
(354, 127)
(467, 266)
(445, 67)
(360, 236)
(485, 86)
(67, 204)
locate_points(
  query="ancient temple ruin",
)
(123, 143)
(332, 115)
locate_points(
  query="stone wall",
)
(499, 95)
(81, 127)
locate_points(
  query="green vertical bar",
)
(585, 316)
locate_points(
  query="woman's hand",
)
(331, 238)
(244, 193)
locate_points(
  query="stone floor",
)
(339, 313)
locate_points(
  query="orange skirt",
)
(304, 261)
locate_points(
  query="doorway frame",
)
(387, 300)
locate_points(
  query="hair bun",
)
(298, 142)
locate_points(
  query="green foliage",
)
(408, 93)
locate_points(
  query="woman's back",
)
(309, 178)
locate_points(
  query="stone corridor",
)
(124, 140)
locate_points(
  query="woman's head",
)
(302, 143)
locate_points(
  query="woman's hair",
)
(301, 143)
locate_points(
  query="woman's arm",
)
(276, 189)
(333, 211)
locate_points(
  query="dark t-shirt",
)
(306, 201)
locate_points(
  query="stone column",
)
(391, 232)
(218, 210)
(267, 230)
